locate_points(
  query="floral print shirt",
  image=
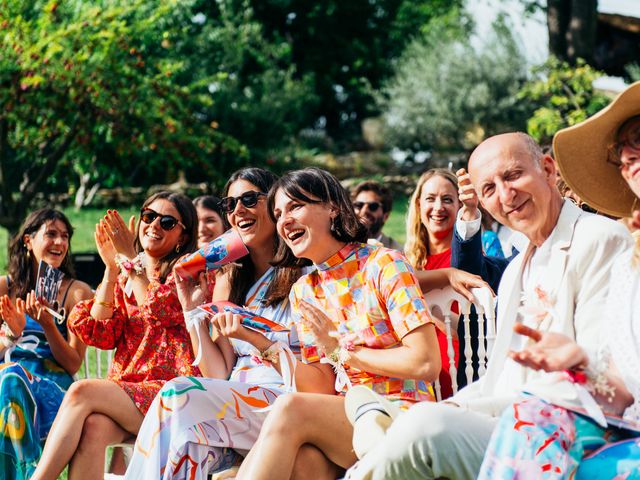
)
(151, 341)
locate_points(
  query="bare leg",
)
(82, 399)
(98, 432)
(310, 459)
(296, 419)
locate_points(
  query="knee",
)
(287, 410)
(78, 394)
(94, 432)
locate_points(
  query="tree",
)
(572, 26)
(444, 89)
(563, 95)
(92, 86)
(348, 47)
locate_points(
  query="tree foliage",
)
(448, 94)
(348, 47)
(563, 96)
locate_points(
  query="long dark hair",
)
(189, 218)
(21, 271)
(242, 274)
(324, 188)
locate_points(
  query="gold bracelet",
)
(106, 304)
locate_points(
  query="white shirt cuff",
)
(465, 229)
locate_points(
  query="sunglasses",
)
(373, 206)
(247, 199)
(167, 222)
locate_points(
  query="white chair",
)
(442, 300)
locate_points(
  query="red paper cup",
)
(221, 251)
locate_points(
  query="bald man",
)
(568, 261)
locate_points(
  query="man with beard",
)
(372, 202)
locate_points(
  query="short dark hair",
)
(189, 217)
(324, 188)
(376, 187)
(21, 271)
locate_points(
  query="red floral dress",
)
(151, 341)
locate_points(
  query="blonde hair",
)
(417, 243)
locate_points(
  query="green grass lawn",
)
(396, 225)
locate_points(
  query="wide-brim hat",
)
(368, 428)
(581, 152)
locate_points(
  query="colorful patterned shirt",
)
(371, 291)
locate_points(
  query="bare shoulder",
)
(78, 291)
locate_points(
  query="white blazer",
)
(583, 249)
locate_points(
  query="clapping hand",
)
(320, 326)
(37, 309)
(122, 236)
(13, 314)
(548, 351)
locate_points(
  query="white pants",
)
(430, 440)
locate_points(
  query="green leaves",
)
(562, 96)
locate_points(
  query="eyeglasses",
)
(632, 140)
(248, 199)
(373, 206)
(167, 222)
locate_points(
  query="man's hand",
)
(548, 351)
(467, 196)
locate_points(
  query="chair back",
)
(484, 303)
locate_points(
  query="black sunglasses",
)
(248, 199)
(373, 206)
(167, 222)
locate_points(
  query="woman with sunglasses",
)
(195, 425)
(135, 310)
(385, 337)
(40, 353)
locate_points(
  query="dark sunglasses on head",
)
(585, 207)
(248, 199)
(373, 206)
(167, 222)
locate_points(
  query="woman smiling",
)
(385, 338)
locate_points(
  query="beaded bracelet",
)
(127, 265)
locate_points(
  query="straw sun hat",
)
(581, 152)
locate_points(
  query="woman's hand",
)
(13, 315)
(37, 309)
(320, 325)
(191, 293)
(462, 282)
(105, 247)
(122, 236)
(229, 325)
(548, 351)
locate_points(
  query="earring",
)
(333, 225)
(28, 251)
(178, 248)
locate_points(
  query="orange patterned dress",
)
(151, 341)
